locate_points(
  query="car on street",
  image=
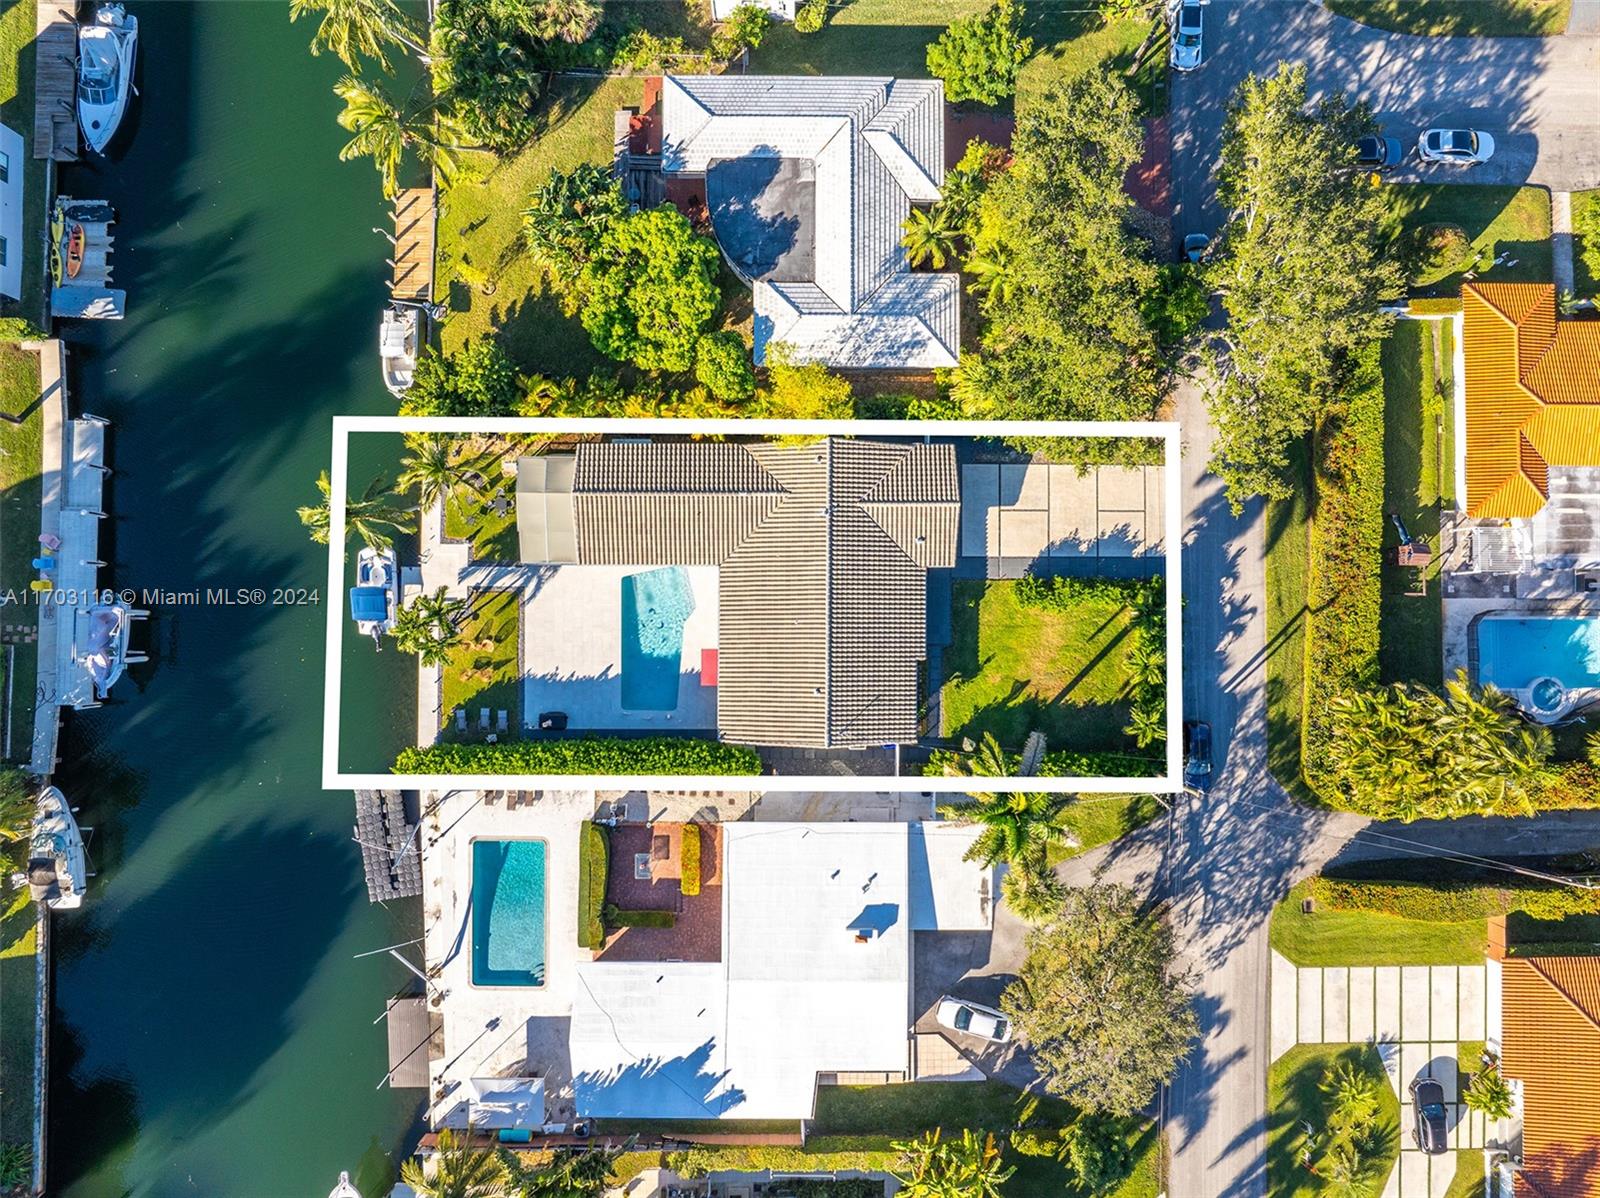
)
(1461, 146)
(1188, 28)
(1379, 153)
(1197, 755)
(1195, 246)
(974, 1019)
(1427, 1115)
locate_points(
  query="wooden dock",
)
(415, 219)
(55, 85)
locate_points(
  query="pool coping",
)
(472, 911)
(1580, 699)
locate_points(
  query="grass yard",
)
(1411, 628)
(1327, 937)
(470, 517)
(1288, 534)
(21, 484)
(1469, 1180)
(1013, 670)
(1095, 820)
(1460, 18)
(18, 992)
(1510, 222)
(1295, 1097)
(1586, 242)
(483, 670)
(17, 28)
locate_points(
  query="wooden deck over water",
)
(55, 115)
(414, 222)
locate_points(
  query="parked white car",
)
(1188, 29)
(1463, 146)
(974, 1019)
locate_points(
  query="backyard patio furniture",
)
(501, 504)
(50, 541)
(461, 719)
(44, 563)
(501, 721)
(483, 719)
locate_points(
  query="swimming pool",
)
(508, 936)
(655, 606)
(1546, 662)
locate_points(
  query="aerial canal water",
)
(214, 1029)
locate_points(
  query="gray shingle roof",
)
(823, 550)
(876, 145)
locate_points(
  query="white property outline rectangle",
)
(343, 426)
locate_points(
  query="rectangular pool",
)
(508, 934)
(655, 607)
(1514, 652)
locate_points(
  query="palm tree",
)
(585, 1174)
(430, 466)
(968, 1168)
(1148, 663)
(1352, 1095)
(989, 760)
(372, 517)
(356, 28)
(563, 20)
(429, 626)
(1489, 1094)
(992, 273)
(459, 1170)
(929, 236)
(16, 806)
(1018, 829)
(384, 131)
(1033, 892)
(1147, 724)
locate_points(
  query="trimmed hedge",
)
(1345, 571)
(616, 917)
(1570, 784)
(689, 864)
(697, 1162)
(1453, 902)
(594, 860)
(945, 763)
(585, 755)
(1447, 306)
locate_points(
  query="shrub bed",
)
(697, 1162)
(586, 755)
(689, 868)
(1345, 585)
(1065, 764)
(1447, 306)
(594, 860)
(616, 917)
(1570, 784)
(1453, 902)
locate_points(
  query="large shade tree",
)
(1302, 270)
(977, 57)
(1100, 1002)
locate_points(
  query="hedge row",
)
(1568, 784)
(1434, 307)
(1453, 902)
(689, 864)
(697, 1162)
(594, 862)
(586, 755)
(1344, 585)
(616, 917)
(944, 763)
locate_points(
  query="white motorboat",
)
(345, 1189)
(376, 596)
(106, 49)
(104, 652)
(58, 868)
(399, 343)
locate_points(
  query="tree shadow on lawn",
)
(1084, 727)
(1295, 1098)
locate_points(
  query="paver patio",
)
(1037, 510)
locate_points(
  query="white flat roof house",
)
(808, 181)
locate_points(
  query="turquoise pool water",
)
(508, 912)
(655, 606)
(1515, 652)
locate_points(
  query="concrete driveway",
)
(1537, 96)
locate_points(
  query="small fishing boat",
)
(106, 49)
(399, 343)
(58, 867)
(345, 1189)
(376, 596)
(105, 645)
(76, 242)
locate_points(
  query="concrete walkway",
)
(1561, 241)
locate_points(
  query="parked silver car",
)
(1462, 146)
(974, 1019)
(1188, 29)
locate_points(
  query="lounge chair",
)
(461, 719)
(502, 721)
(483, 719)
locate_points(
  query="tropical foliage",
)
(650, 290)
(357, 29)
(1489, 1094)
(1407, 752)
(17, 806)
(568, 215)
(1100, 1002)
(374, 518)
(933, 1167)
(583, 755)
(384, 130)
(458, 1169)
(1302, 272)
(1018, 828)
(1033, 892)
(978, 56)
(722, 366)
(568, 1174)
(429, 626)
(802, 390)
(476, 380)
(1096, 1151)
(929, 236)
(432, 468)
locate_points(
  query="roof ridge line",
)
(1533, 963)
(827, 605)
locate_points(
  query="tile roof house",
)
(808, 181)
(1551, 1044)
(822, 549)
(1532, 396)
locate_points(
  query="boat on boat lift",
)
(58, 866)
(104, 653)
(375, 598)
(106, 49)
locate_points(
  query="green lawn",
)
(1460, 18)
(1510, 222)
(1586, 242)
(1362, 938)
(1095, 820)
(1012, 670)
(483, 668)
(21, 484)
(1294, 1097)
(18, 993)
(1469, 1179)
(1288, 536)
(469, 516)
(1411, 626)
(17, 28)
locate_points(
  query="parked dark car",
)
(1379, 153)
(1428, 1118)
(1197, 755)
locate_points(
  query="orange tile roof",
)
(1551, 1043)
(1532, 395)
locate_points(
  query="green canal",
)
(214, 1028)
